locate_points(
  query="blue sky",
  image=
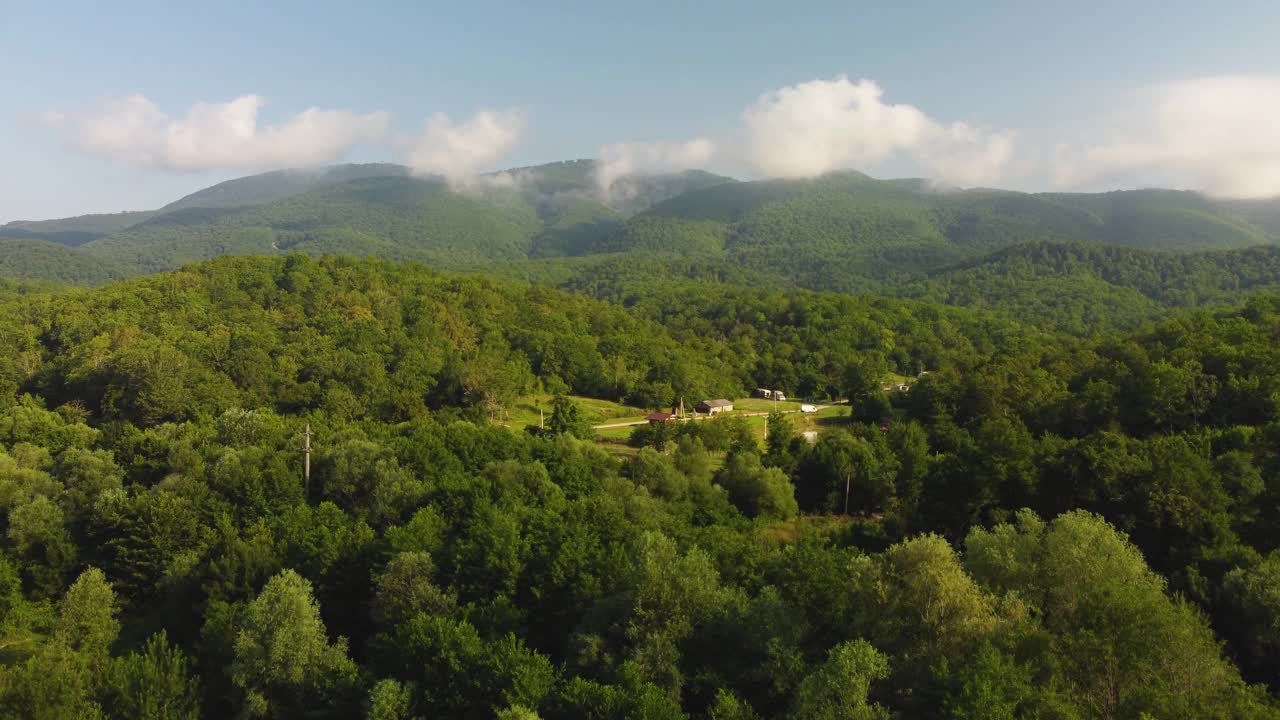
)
(1022, 94)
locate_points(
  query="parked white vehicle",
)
(808, 409)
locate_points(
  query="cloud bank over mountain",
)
(1214, 134)
(623, 159)
(216, 136)
(823, 125)
(463, 149)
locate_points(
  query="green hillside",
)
(1165, 220)
(1264, 213)
(42, 260)
(849, 232)
(401, 218)
(544, 211)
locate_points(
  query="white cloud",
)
(459, 151)
(1216, 134)
(214, 136)
(824, 125)
(963, 155)
(623, 159)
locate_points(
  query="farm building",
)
(768, 394)
(711, 407)
(658, 418)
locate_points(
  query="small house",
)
(764, 393)
(660, 418)
(711, 407)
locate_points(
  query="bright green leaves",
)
(283, 657)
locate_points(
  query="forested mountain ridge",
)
(844, 231)
(1046, 526)
(267, 187)
(361, 210)
(849, 232)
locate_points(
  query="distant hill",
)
(1165, 220)
(24, 259)
(396, 217)
(267, 187)
(74, 231)
(1264, 213)
(849, 232)
(380, 210)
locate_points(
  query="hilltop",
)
(359, 210)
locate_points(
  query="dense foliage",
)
(50, 261)
(1042, 527)
(1084, 288)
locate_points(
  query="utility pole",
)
(847, 476)
(306, 461)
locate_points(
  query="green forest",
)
(351, 443)
(1048, 524)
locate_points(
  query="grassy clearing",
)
(524, 412)
(617, 448)
(619, 433)
(762, 405)
(824, 418)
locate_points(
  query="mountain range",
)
(846, 232)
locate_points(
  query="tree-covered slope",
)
(42, 260)
(849, 232)
(1085, 287)
(378, 338)
(381, 210)
(1262, 212)
(397, 217)
(1165, 220)
(1041, 527)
